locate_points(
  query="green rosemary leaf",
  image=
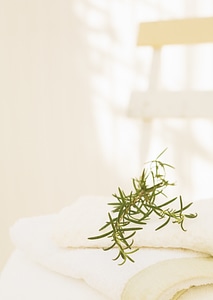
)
(164, 224)
(159, 155)
(181, 225)
(110, 247)
(100, 236)
(167, 203)
(191, 216)
(104, 226)
(138, 206)
(114, 204)
(131, 229)
(132, 234)
(136, 221)
(186, 207)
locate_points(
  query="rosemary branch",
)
(131, 212)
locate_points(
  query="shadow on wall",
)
(63, 67)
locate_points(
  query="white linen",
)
(23, 279)
(75, 223)
(34, 237)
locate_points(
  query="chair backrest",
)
(160, 104)
(173, 32)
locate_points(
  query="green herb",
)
(131, 212)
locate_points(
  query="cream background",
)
(67, 69)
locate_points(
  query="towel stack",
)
(60, 243)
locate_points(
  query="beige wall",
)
(55, 69)
(67, 68)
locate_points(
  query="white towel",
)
(23, 279)
(75, 223)
(35, 237)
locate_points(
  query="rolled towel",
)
(171, 279)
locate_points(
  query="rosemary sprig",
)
(131, 212)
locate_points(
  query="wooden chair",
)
(166, 104)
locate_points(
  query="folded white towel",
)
(83, 218)
(35, 237)
(23, 279)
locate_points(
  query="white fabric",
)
(95, 266)
(23, 279)
(75, 223)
